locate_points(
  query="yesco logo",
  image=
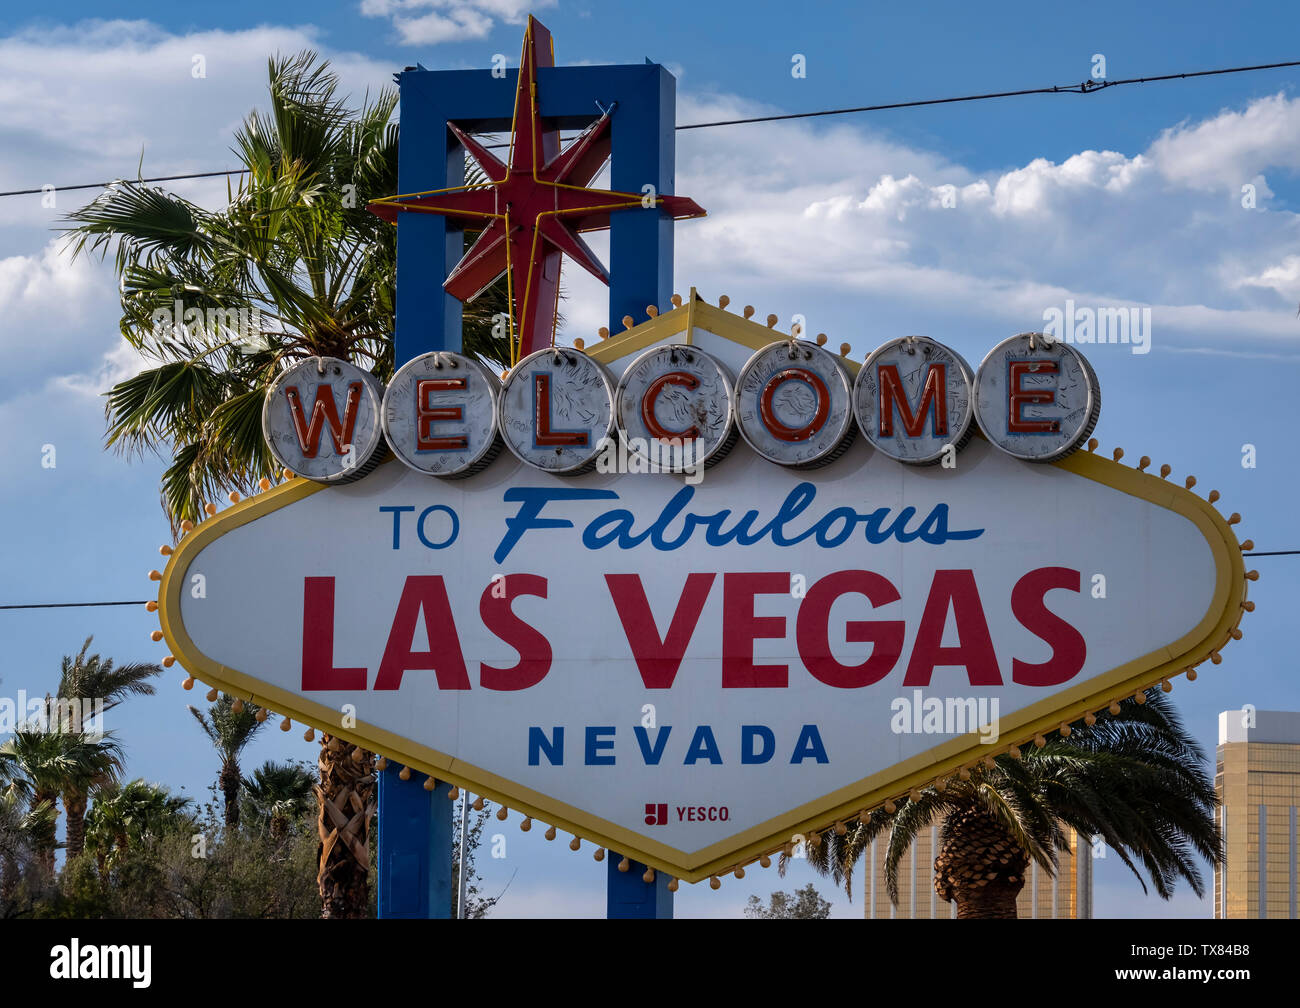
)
(102, 962)
(657, 814)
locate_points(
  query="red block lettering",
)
(740, 628)
(426, 415)
(975, 650)
(427, 593)
(933, 397)
(658, 659)
(1029, 605)
(318, 671)
(1018, 398)
(542, 433)
(533, 647)
(656, 429)
(812, 630)
(779, 430)
(324, 411)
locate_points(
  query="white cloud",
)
(78, 104)
(82, 104)
(448, 20)
(840, 218)
(54, 310)
(1283, 277)
(1233, 148)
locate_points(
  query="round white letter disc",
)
(793, 404)
(440, 415)
(674, 407)
(557, 410)
(321, 420)
(1036, 398)
(914, 398)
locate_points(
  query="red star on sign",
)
(534, 207)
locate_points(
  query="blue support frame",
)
(628, 897)
(414, 847)
(644, 150)
(415, 826)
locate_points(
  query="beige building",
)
(1257, 778)
(1067, 895)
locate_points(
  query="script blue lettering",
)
(531, 501)
(618, 525)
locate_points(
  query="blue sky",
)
(1129, 197)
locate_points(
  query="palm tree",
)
(88, 678)
(1135, 779)
(295, 248)
(279, 794)
(22, 824)
(124, 815)
(346, 798)
(230, 731)
(43, 764)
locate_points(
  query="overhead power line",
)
(105, 185)
(69, 605)
(1084, 87)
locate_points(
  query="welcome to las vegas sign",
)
(693, 671)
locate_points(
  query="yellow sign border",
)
(1207, 637)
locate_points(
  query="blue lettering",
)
(451, 536)
(748, 735)
(703, 746)
(622, 520)
(617, 526)
(809, 746)
(792, 507)
(844, 514)
(531, 501)
(598, 743)
(671, 511)
(652, 755)
(397, 517)
(554, 747)
(935, 527)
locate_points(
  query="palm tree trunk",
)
(994, 901)
(980, 866)
(47, 839)
(347, 799)
(228, 782)
(74, 805)
(8, 875)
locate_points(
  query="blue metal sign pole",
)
(414, 847)
(415, 825)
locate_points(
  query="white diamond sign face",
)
(692, 672)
